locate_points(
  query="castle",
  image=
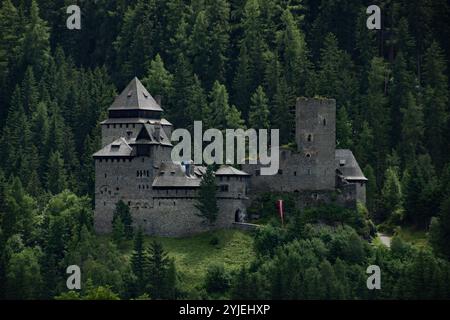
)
(134, 165)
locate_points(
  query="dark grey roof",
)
(230, 171)
(172, 175)
(148, 135)
(163, 122)
(118, 148)
(135, 96)
(347, 165)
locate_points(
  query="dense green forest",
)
(231, 64)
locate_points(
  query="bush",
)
(217, 280)
(214, 241)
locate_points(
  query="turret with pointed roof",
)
(135, 102)
(131, 111)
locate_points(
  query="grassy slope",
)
(415, 237)
(194, 254)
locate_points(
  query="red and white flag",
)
(281, 210)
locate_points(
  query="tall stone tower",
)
(315, 136)
(130, 111)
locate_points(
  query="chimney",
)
(158, 99)
(129, 134)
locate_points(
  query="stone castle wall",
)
(170, 217)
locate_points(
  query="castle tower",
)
(130, 111)
(315, 136)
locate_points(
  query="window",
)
(100, 160)
(295, 173)
(308, 155)
(324, 122)
(309, 137)
(114, 126)
(309, 171)
(137, 173)
(107, 126)
(280, 171)
(105, 175)
(224, 188)
(257, 172)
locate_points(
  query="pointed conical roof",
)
(135, 97)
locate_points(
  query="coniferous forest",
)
(231, 64)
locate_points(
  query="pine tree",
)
(56, 174)
(40, 131)
(371, 188)
(435, 99)
(344, 130)
(364, 145)
(283, 101)
(122, 213)
(183, 80)
(197, 107)
(259, 110)
(421, 193)
(30, 94)
(118, 232)
(391, 198)
(294, 54)
(377, 113)
(135, 41)
(158, 274)
(251, 56)
(412, 130)
(218, 13)
(336, 76)
(35, 41)
(224, 116)
(402, 85)
(158, 80)
(10, 53)
(206, 203)
(200, 46)
(139, 261)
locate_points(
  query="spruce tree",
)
(139, 261)
(158, 80)
(35, 41)
(158, 272)
(436, 100)
(259, 110)
(122, 213)
(206, 203)
(56, 174)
